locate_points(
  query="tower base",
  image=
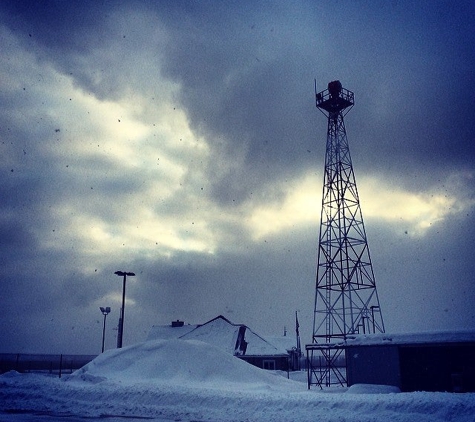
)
(326, 365)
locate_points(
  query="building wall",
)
(414, 367)
(278, 363)
(373, 365)
(443, 367)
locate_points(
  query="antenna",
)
(315, 89)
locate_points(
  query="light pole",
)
(105, 312)
(120, 334)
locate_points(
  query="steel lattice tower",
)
(346, 300)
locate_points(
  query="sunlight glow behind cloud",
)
(301, 205)
(379, 199)
(417, 211)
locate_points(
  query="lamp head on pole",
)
(105, 311)
(122, 273)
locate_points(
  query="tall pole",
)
(104, 311)
(297, 332)
(118, 329)
(120, 334)
(122, 312)
(103, 333)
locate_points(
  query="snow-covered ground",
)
(190, 380)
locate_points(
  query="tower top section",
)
(334, 99)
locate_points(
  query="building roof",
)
(283, 342)
(435, 337)
(384, 339)
(168, 332)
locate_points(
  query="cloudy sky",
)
(180, 140)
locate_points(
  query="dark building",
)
(413, 362)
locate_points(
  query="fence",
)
(53, 364)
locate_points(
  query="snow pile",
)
(192, 381)
(428, 337)
(372, 389)
(176, 361)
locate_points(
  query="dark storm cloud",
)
(57, 25)
(416, 68)
(250, 91)
(423, 280)
(410, 72)
(84, 40)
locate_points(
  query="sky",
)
(179, 140)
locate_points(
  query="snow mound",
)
(372, 389)
(180, 362)
(11, 374)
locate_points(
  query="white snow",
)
(190, 380)
(178, 362)
(433, 337)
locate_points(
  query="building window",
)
(269, 364)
